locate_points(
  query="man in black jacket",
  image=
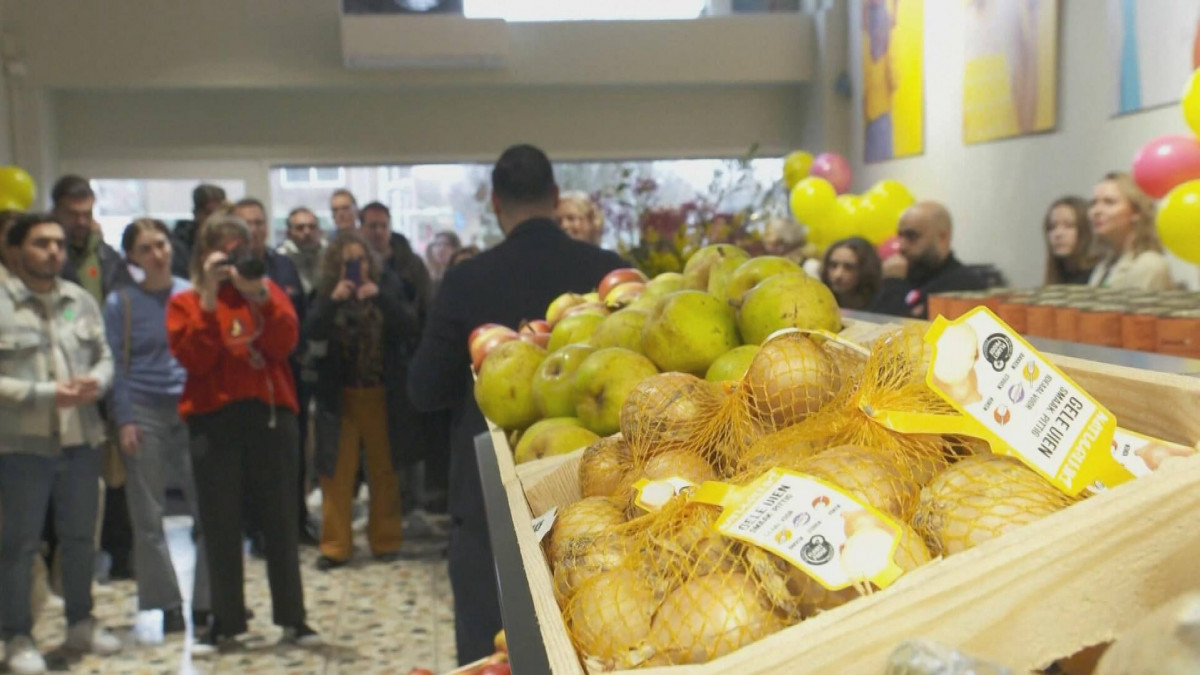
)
(206, 198)
(924, 265)
(516, 280)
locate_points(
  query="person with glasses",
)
(925, 264)
(304, 245)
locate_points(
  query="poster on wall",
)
(893, 45)
(1010, 79)
(1153, 47)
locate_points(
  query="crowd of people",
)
(201, 357)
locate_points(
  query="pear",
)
(554, 436)
(573, 330)
(732, 365)
(750, 273)
(698, 270)
(621, 329)
(603, 382)
(663, 284)
(791, 300)
(552, 382)
(504, 387)
(691, 329)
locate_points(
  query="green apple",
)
(552, 382)
(750, 273)
(554, 436)
(792, 300)
(663, 285)
(698, 270)
(621, 329)
(732, 365)
(603, 382)
(504, 386)
(689, 332)
(574, 329)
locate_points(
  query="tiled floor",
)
(374, 618)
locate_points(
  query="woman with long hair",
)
(439, 253)
(1070, 254)
(580, 217)
(852, 270)
(1123, 218)
(144, 405)
(357, 331)
(233, 332)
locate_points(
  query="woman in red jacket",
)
(233, 332)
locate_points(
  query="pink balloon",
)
(835, 169)
(1166, 162)
(889, 248)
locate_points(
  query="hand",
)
(343, 291)
(368, 290)
(895, 267)
(88, 388)
(66, 395)
(254, 290)
(131, 439)
(216, 270)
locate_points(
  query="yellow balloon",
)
(9, 204)
(891, 193)
(812, 200)
(879, 219)
(17, 185)
(1191, 102)
(1179, 221)
(796, 167)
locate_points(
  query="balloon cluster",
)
(1169, 166)
(820, 199)
(17, 189)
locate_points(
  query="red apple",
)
(623, 294)
(488, 340)
(485, 329)
(554, 312)
(539, 339)
(420, 671)
(536, 326)
(593, 307)
(617, 277)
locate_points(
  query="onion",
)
(709, 616)
(789, 379)
(669, 464)
(868, 474)
(666, 411)
(581, 559)
(783, 449)
(685, 541)
(981, 498)
(611, 614)
(585, 519)
(603, 467)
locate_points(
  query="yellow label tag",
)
(652, 495)
(829, 535)
(1026, 407)
(1141, 454)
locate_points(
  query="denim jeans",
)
(26, 485)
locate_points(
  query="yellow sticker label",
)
(1024, 405)
(1142, 454)
(831, 536)
(652, 495)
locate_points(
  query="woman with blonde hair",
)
(580, 217)
(1123, 217)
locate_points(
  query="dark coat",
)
(514, 281)
(411, 270)
(909, 297)
(114, 273)
(331, 371)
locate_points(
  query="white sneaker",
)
(90, 637)
(23, 658)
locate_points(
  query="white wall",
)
(998, 192)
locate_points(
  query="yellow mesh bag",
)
(603, 467)
(872, 475)
(669, 411)
(981, 498)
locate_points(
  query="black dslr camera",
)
(248, 265)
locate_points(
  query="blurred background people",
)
(344, 208)
(358, 330)
(925, 265)
(234, 334)
(852, 270)
(206, 199)
(303, 246)
(144, 407)
(440, 253)
(465, 253)
(1123, 218)
(7, 218)
(580, 217)
(1070, 246)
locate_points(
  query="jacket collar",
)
(21, 294)
(949, 263)
(534, 227)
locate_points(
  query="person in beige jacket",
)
(1123, 218)
(55, 365)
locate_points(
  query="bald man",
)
(925, 264)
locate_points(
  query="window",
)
(314, 176)
(120, 201)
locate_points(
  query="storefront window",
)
(120, 200)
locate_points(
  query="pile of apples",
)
(496, 664)
(560, 382)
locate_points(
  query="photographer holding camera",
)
(233, 332)
(358, 331)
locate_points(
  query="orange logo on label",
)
(1002, 415)
(820, 501)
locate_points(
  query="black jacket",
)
(114, 273)
(909, 297)
(282, 271)
(411, 270)
(399, 325)
(512, 282)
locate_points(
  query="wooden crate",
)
(1077, 578)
